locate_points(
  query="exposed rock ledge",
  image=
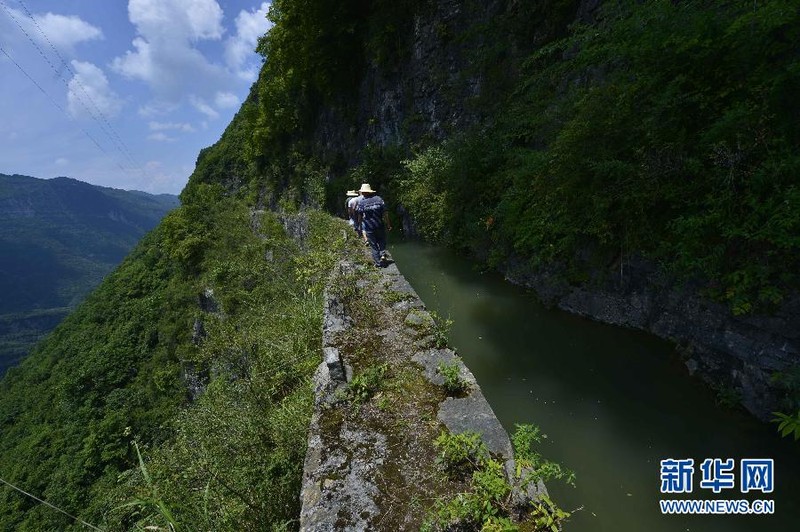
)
(370, 463)
(739, 354)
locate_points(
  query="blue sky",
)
(125, 94)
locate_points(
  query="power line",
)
(114, 135)
(53, 506)
(52, 100)
(47, 60)
(119, 145)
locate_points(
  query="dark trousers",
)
(377, 243)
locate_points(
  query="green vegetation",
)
(422, 193)
(460, 454)
(393, 296)
(524, 440)
(366, 384)
(663, 129)
(688, 161)
(110, 371)
(121, 369)
(788, 424)
(441, 329)
(487, 502)
(58, 239)
(788, 384)
(453, 383)
(547, 516)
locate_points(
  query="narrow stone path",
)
(380, 404)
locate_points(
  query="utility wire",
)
(44, 56)
(52, 100)
(53, 506)
(114, 135)
(47, 60)
(119, 145)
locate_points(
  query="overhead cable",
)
(114, 135)
(53, 506)
(52, 100)
(119, 145)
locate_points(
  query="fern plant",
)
(788, 424)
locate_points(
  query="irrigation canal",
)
(612, 401)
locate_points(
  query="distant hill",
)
(58, 239)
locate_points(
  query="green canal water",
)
(612, 401)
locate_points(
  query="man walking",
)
(350, 206)
(374, 222)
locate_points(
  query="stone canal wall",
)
(380, 403)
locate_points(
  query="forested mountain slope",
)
(635, 162)
(58, 238)
(581, 140)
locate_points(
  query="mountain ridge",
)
(58, 238)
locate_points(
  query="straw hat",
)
(352, 193)
(365, 188)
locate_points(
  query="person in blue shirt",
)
(373, 219)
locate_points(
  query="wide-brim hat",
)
(366, 189)
(352, 193)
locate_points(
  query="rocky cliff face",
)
(430, 93)
(433, 89)
(424, 95)
(739, 356)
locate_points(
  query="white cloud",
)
(160, 137)
(156, 108)
(89, 93)
(226, 100)
(171, 69)
(164, 54)
(61, 161)
(167, 56)
(167, 126)
(184, 19)
(202, 106)
(239, 48)
(64, 31)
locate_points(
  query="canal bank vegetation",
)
(648, 129)
(655, 132)
(489, 502)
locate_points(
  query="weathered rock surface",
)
(371, 461)
(473, 413)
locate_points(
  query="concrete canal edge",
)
(362, 470)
